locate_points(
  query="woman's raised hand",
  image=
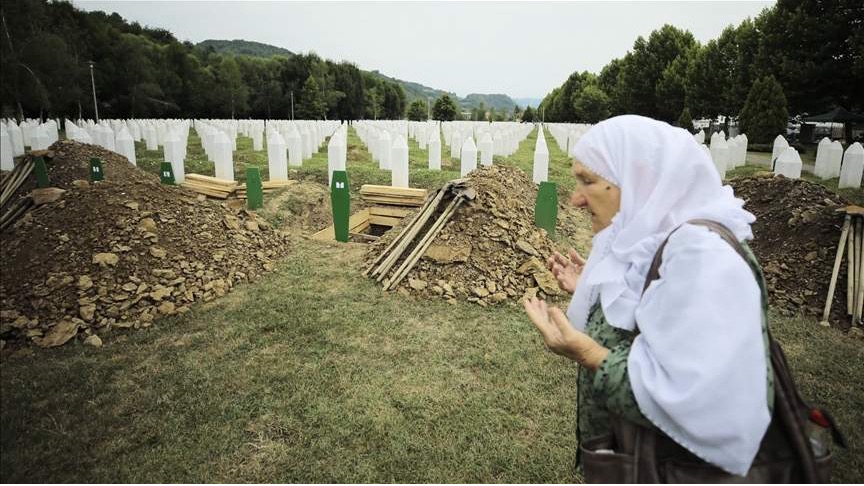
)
(566, 270)
(561, 338)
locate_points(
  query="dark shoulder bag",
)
(638, 454)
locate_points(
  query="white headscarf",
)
(699, 377)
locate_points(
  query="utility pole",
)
(93, 84)
(292, 105)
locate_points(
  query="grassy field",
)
(313, 374)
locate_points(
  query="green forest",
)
(813, 48)
(144, 72)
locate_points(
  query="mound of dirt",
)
(490, 251)
(795, 239)
(303, 207)
(121, 252)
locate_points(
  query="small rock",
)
(94, 341)
(231, 222)
(166, 308)
(87, 312)
(148, 225)
(81, 184)
(132, 205)
(59, 334)
(157, 252)
(252, 226)
(160, 293)
(417, 284)
(480, 292)
(106, 259)
(526, 247)
(46, 195)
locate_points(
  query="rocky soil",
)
(795, 239)
(491, 252)
(121, 253)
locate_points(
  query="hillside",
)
(247, 48)
(413, 91)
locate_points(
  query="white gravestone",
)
(434, 146)
(789, 164)
(277, 157)
(853, 167)
(541, 160)
(780, 145)
(7, 162)
(223, 157)
(821, 168)
(468, 156)
(399, 162)
(835, 158)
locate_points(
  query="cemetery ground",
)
(312, 373)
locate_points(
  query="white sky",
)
(518, 48)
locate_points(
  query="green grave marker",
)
(546, 210)
(340, 199)
(41, 172)
(254, 189)
(166, 173)
(97, 173)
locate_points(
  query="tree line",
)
(812, 49)
(144, 72)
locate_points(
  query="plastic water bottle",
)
(819, 433)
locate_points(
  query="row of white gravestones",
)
(566, 135)
(7, 160)
(726, 154)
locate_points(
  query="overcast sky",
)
(517, 48)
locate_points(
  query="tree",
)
(528, 115)
(417, 110)
(232, 89)
(312, 105)
(764, 115)
(445, 108)
(591, 104)
(394, 101)
(685, 121)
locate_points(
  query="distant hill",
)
(244, 47)
(413, 91)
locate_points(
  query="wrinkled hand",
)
(566, 270)
(561, 338)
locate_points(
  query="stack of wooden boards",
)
(9, 184)
(411, 243)
(851, 245)
(268, 186)
(397, 196)
(209, 186)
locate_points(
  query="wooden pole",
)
(860, 296)
(393, 257)
(402, 270)
(401, 234)
(841, 246)
(850, 273)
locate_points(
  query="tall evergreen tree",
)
(764, 115)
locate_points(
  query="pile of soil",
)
(303, 207)
(796, 233)
(490, 252)
(121, 252)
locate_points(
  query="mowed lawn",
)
(313, 374)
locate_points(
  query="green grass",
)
(313, 374)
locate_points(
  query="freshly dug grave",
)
(121, 252)
(303, 207)
(490, 251)
(795, 239)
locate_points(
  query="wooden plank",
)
(208, 187)
(205, 191)
(211, 180)
(395, 201)
(392, 212)
(384, 220)
(357, 223)
(393, 191)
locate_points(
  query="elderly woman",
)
(688, 356)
